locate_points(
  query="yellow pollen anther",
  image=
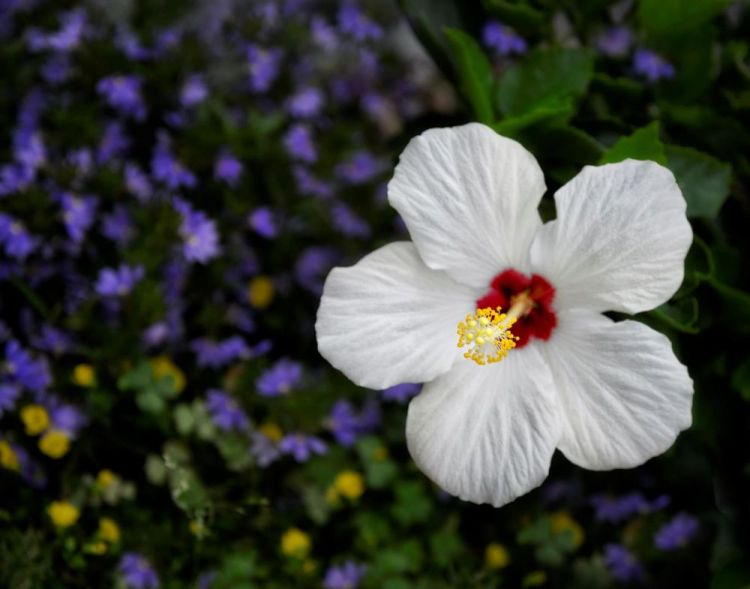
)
(487, 336)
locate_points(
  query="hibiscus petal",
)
(389, 319)
(487, 433)
(625, 396)
(469, 198)
(619, 241)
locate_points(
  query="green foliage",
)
(704, 180)
(642, 144)
(475, 75)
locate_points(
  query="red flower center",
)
(538, 318)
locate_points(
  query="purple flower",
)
(502, 39)
(676, 533)
(345, 576)
(264, 66)
(361, 167)
(227, 168)
(79, 213)
(194, 91)
(305, 103)
(313, 265)
(615, 41)
(264, 450)
(354, 23)
(31, 472)
(156, 334)
(118, 282)
(137, 183)
(123, 93)
(622, 564)
(28, 148)
(323, 34)
(17, 242)
(137, 572)
(652, 66)
(168, 169)
(67, 418)
(217, 354)
(225, 412)
(52, 340)
(401, 393)
(308, 184)
(113, 144)
(262, 220)
(57, 69)
(127, 42)
(199, 234)
(282, 378)
(343, 422)
(348, 222)
(617, 509)
(299, 144)
(118, 226)
(22, 368)
(67, 38)
(9, 394)
(302, 446)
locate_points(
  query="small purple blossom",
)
(313, 265)
(347, 222)
(52, 340)
(309, 185)
(118, 226)
(226, 414)
(502, 39)
(280, 379)
(263, 222)
(137, 183)
(113, 144)
(302, 447)
(194, 91)
(622, 564)
(79, 213)
(217, 354)
(401, 393)
(166, 168)
(345, 576)
(264, 449)
(359, 168)
(137, 572)
(306, 103)
(9, 394)
(22, 368)
(354, 23)
(66, 38)
(15, 239)
(227, 168)
(199, 234)
(123, 93)
(264, 66)
(299, 144)
(66, 418)
(615, 41)
(652, 66)
(118, 282)
(676, 533)
(343, 422)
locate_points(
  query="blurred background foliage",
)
(177, 178)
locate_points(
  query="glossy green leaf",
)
(672, 18)
(704, 180)
(642, 144)
(519, 15)
(474, 71)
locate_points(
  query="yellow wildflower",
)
(162, 366)
(97, 548)
(105, 478)
(109, 531)
(496, 556)
(562, 522)
(54, 443)
(295, 543)
(84, 375)
(63, 513)
(8, 457)
(35, 418)
(260, 292)
(349, 484)
(271, 431)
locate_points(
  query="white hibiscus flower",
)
(607, 394)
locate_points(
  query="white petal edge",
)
(619, 241)
(625, 396)
(389, 319)
(487, 433)
(469, 198)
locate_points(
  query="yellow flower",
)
(295, 543)
(260, 292)
(271, 431)
(109, 531)
(105, 478)
(198, 529)
(349, 484)
(8, 457)
(54, 443)
(562, 522)
(309, 566)
(97, 548)
(35, 418)
(535, 579)
(84, 375)
(63, 513)
(496, 556)
(162, 366)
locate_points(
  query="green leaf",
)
(516, 14)
(474, 71)
(642, 144)
(741, 379)
(735, 307)
(674, 18)
(412, 504)
(547, 78)
(150, 402)
(512, 126)
(703, 179)
(681, 315)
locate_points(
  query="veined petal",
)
(469, 198)
(487, 433)
(389, 319)
(624, 394)
(619, 241)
